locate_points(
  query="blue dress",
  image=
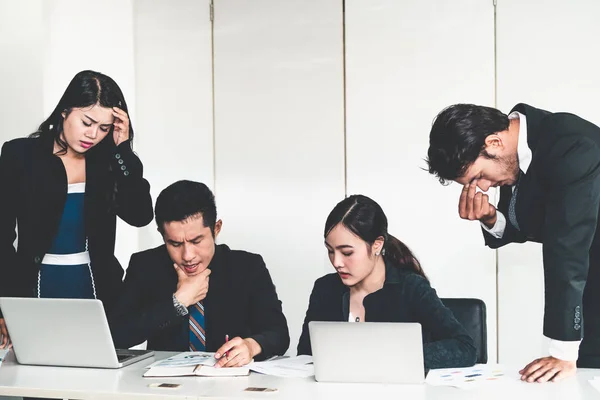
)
(65, 271)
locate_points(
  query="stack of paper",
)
(595, 383)
(192, 364)
(466, 378)
(289, 367)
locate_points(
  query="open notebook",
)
(192, 364)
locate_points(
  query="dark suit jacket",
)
(34, 192)
(241, 301)
(557, 205)
(405, 297)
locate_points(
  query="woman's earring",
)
(377, 253)
(383, 252)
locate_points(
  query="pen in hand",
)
(226, 340)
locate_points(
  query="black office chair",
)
(471, 314)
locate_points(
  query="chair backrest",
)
(471, 314)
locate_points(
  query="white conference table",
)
(128, 383)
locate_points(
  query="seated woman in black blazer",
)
(378, 279)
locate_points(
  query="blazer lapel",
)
(211, 302)
(47, 182)
(179, 341)
(95, 192)
(528, 197)
(182, 341)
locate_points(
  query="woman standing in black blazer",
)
(378, 279)
(62, 188)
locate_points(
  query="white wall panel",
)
(548, 57)
(279, 136)
(405, 62)
(173, 76)
(21, 68)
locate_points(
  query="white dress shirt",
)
(568, 351)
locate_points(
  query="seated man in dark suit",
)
(168, 300)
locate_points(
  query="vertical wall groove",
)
(212, 60)
(344, 96)
(497, 190)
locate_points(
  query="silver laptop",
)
(63, 332)
(365, 352)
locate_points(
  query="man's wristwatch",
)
(180, 309)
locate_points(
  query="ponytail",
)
(401, 256)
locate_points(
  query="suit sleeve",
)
(451, 346)
(268, 324)
(314, 304)
(572, 180)
(8, 220)
(140, 313)
(134, 203)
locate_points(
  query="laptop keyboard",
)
(124, 355)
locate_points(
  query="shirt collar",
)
(523, 151)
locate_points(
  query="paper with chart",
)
(186, 359)
(192, 364)
(288, 367)
(466, 377)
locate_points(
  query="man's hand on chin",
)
(548, 369)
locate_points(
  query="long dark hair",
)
(366, 219)
(86, 89)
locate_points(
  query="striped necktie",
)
(197, 334)
(512, 214)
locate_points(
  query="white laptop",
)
(365, 352)
(63, 332)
